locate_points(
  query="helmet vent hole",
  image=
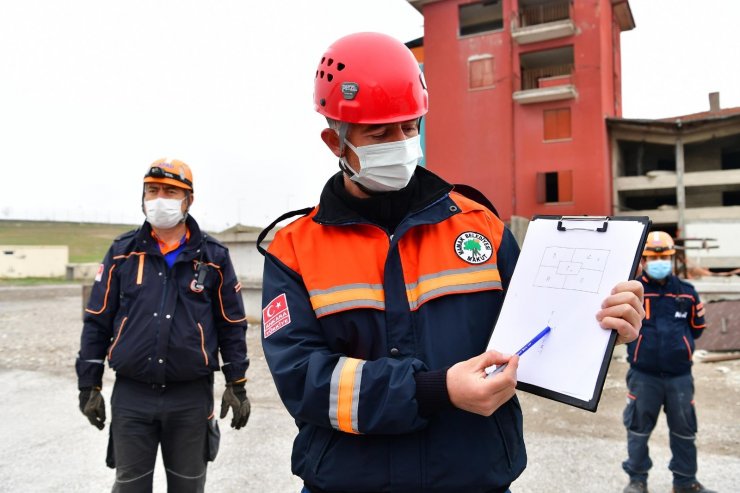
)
(322, 59)
(328, 64)
(317, 74)
(340, 66)
(321, 74)
(322, 102)
(329, 77)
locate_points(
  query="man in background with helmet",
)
(376, 311)
(660, 370)
(165, 303)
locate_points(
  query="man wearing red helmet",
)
(164, 305)
(374, 314)
(660, 370)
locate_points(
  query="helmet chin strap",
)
(342, 134)
(350, 173)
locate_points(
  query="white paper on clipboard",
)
(566, 268)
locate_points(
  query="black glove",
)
(235, 396)
(92, 405)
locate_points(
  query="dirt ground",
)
(47, 444)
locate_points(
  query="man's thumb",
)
(494, 358)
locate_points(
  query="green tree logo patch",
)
(472, 247)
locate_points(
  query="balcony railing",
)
(541, 14)
(540, 77)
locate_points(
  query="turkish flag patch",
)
(99, 274)
(275, 315)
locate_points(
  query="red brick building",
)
(519, 95)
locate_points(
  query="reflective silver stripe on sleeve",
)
(334, 393)
(356, 397)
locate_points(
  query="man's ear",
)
(331, 139)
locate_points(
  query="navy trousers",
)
(647, 394)
(145, 417)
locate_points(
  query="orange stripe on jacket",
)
(354, 296)
(107, 290)
(346, 392)
(221, 300)
(454, 282)
(140, 272)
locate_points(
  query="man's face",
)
(369, 134)
(160, 190)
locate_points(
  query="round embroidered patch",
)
(472, 247)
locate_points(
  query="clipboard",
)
(567, 267)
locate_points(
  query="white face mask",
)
(164, 213)
(386, 167)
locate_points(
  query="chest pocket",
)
(134, 270)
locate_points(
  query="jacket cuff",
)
(431, 392)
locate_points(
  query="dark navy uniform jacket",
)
(156, 324)
(351, 314)
(674, 317)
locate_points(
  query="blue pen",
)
(523, 350)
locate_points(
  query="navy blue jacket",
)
(674, 317)
(354, 315)
(154, 324)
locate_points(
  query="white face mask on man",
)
(164, 213)
(386, 167)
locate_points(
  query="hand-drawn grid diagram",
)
(579, 269)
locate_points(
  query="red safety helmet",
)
(659, 244)
(369, 78)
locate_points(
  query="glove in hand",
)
(92, 405)
(235, 397)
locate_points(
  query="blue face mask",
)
(658, 269)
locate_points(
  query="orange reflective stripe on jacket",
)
(345, 394)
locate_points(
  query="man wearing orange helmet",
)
(374, 314)
(164, 304)
(660, 370)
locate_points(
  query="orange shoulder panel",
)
(455, 256)
(341, 266)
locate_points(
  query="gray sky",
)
(93, 91)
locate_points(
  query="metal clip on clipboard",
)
(602, 229)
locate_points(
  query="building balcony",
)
(543, 32)
(544, 94)
(655, 180)
(546, 76)
(539, 12)
(669, 215)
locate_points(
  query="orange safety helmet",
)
(170, 172)
(369, 78)
(659, 244)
